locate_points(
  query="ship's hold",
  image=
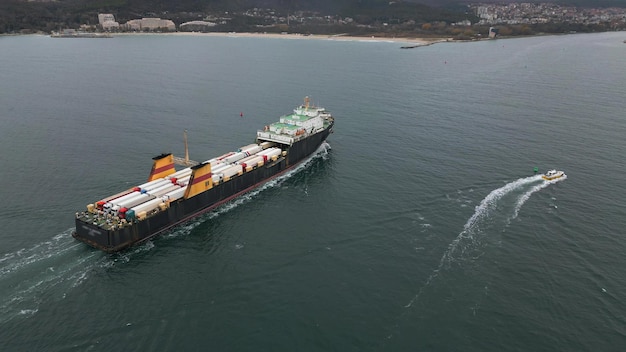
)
(170, 197)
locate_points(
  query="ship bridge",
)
(304, 121)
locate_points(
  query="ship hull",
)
(185, 209)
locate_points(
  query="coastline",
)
(405, 42)
(413, 41)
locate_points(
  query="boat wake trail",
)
(46, 271)
(468, 242)
(524, 197)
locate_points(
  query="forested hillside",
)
(16, 15)
(22, 16)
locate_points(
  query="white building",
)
(150, 24)
(107, 21)
(196, 26)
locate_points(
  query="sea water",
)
(419, 226)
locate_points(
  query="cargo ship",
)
(170, 196)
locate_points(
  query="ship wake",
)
(48, 271)
(44, 272)
(502, 203)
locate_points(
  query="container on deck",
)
(148, 206)
(235, 157)
(231, 171)
(174, 195)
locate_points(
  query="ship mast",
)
(185, 161)
(186, 147)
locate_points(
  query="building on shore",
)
(149, 24)
(107, 22)
(196, 26)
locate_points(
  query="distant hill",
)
(336, 5)
(49, 15)
(323, 6)
(578, 3)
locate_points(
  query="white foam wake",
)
(483, 211)
(47, 270)
(481, 216)
(24, 257)
(50, 269)
(524, 197)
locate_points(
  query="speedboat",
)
(552, 175)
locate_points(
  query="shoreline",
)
(404, 42)
(414, 41)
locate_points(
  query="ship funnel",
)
(163, 165)
(201, 180)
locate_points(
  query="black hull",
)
(182, 210)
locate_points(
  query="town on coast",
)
(397, 21)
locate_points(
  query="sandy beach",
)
(338, 37)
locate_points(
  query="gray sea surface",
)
(420, 226)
